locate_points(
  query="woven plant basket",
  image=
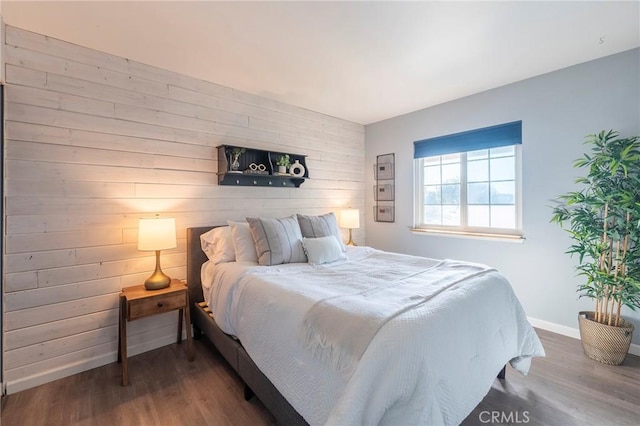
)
(604, 343)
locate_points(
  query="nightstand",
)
(138, 302)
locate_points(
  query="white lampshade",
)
(156, 233)
(350, 219)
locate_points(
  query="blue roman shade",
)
(471, 140)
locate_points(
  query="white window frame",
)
(464, 230)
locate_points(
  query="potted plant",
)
(235, 158)
(603, 220)
(283, 162)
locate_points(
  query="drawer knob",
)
(160, 304)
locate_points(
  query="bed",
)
(429, 363)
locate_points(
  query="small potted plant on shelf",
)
(604, 223)
(235, 158)
(283, 162)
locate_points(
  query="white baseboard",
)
(84, 365)
(634, 349)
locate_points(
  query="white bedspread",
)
(431, 364)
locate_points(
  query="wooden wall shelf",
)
(250, 171)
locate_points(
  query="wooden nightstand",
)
(138, 302)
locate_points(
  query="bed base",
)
(229, 347)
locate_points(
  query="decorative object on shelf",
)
(235, 159)
(350, 219)
(155, 234)
(283, 162)
(603, 217)
(384, 189)
(257, 169)
(296, 169)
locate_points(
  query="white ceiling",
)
(360, 61)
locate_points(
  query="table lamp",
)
(155, 234)
(350, 219)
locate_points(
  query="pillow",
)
(322, 250)
(243, 244)
(277, 240)
(321, 226)
(218, 245)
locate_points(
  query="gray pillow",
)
(277, 240)
(321, 226)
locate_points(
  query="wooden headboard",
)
(195, 259)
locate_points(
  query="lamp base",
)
(350, 242)
(158, 279)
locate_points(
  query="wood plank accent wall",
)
(93, 142)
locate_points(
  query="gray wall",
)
(557, 110)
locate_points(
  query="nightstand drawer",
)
(156, 304)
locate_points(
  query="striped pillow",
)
(321, 226)
(277, 240)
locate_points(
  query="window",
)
(470, 182)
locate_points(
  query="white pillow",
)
(243, 244)
(218, 245)
(323, 250)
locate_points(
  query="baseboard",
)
(84, 365)
(634, 349)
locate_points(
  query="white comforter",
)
(429, 365)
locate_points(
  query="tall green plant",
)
(603, 220)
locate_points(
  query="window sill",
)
(506, 238)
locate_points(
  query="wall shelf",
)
(257, 167)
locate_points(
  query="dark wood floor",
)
(565, 388)
(164, 389)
